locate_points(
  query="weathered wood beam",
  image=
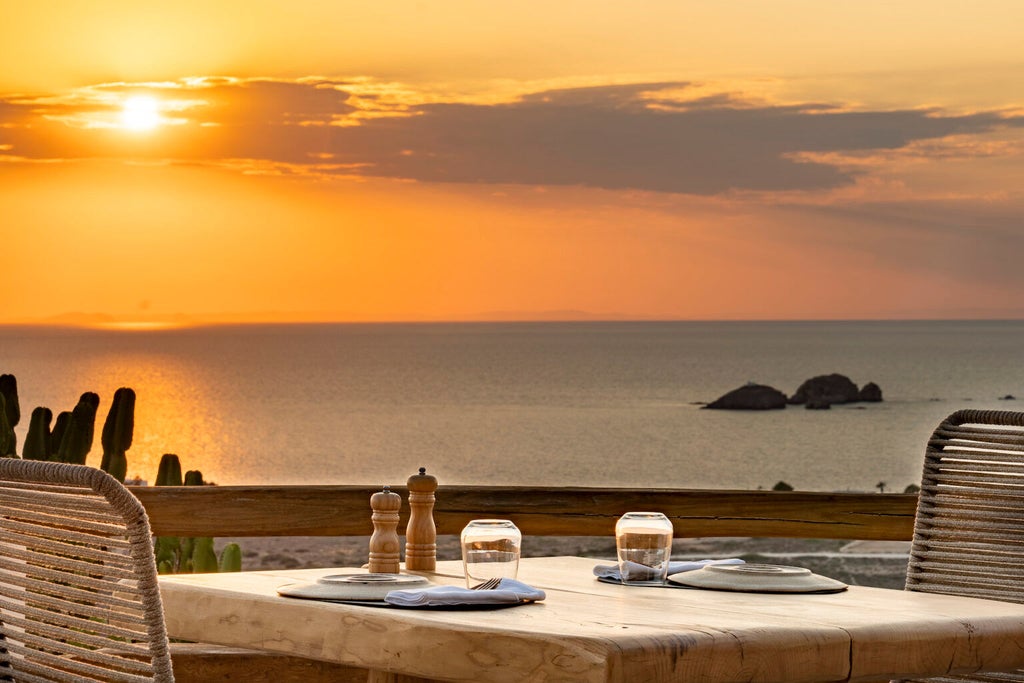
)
(345, 511)
(203, 663)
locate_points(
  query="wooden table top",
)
(587, 630)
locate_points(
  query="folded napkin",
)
(635, 570)
(509, 591)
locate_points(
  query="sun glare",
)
(140, 113)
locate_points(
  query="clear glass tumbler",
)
(644, 544)
(490, 548)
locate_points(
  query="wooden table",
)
(591, 631)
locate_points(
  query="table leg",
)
(385, 677)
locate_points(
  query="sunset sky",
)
(224, 161)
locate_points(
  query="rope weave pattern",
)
(79, 599)
(969, 528)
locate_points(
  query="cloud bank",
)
(651, 136)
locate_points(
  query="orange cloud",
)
(649, 136)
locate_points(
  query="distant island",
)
(816, 393)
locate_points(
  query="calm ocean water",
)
(588, 404)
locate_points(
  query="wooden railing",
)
(344, 511)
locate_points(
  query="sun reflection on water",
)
(139, 325)
(176, 411)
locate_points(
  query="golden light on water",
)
(177, 410)
(140, 113)
(140, 325)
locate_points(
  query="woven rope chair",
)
(79, 599)
(969, 528)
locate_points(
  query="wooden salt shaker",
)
(384, 545)
(421, 533)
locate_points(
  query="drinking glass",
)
(490, 548)
(644, 544)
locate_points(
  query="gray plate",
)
(758, 578)
(356, 586)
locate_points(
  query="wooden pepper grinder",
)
(384, 545)
(421, 534)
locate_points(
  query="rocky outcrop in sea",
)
(816, 393)
(826, 389)
(751, 396)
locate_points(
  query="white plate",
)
(758, 578)
(364, 586)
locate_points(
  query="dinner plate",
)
(758, 578)
(359, 586)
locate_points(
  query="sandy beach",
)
(866, 563)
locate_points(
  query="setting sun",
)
(140, 113)
(343, 162)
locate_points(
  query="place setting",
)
(490, 557)
(643, 543)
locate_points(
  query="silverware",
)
(488, 585)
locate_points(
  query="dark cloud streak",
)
(635, 136)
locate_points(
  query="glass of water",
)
(644, 544)
(490, 549)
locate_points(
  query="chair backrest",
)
(79, 599)
(969, 529)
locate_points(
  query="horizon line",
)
(169, 325)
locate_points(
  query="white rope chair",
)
(969, 528)
(79, 599)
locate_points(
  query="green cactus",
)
(168, 549)
(37, 444)
(116, 465)
(79, 429)
(230, 558)
(60, 426)
(169, 471)
(91, 399)
(177, 555)
(6, 432)
(118, 429)
(204, 560)
(186, 548)
(12, 412)
(166, 560)
(198, 551)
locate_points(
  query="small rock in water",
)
(1008, 397)
(834, 388)
(750, 397)
(870, 392)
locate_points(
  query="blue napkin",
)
(635, 570)
(509, 591)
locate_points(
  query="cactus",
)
(37, 444)
(169, 471)
(12, 413)
(117, 433)
(176, 555)
(204, 560)
(230, 558)
(168, 548)
(166, 562)
(60, 426)
(185, 550)
(6, 432)
(76, 439)
(116, 465)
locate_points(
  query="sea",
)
(531, 403)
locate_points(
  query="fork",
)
(488, 585)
